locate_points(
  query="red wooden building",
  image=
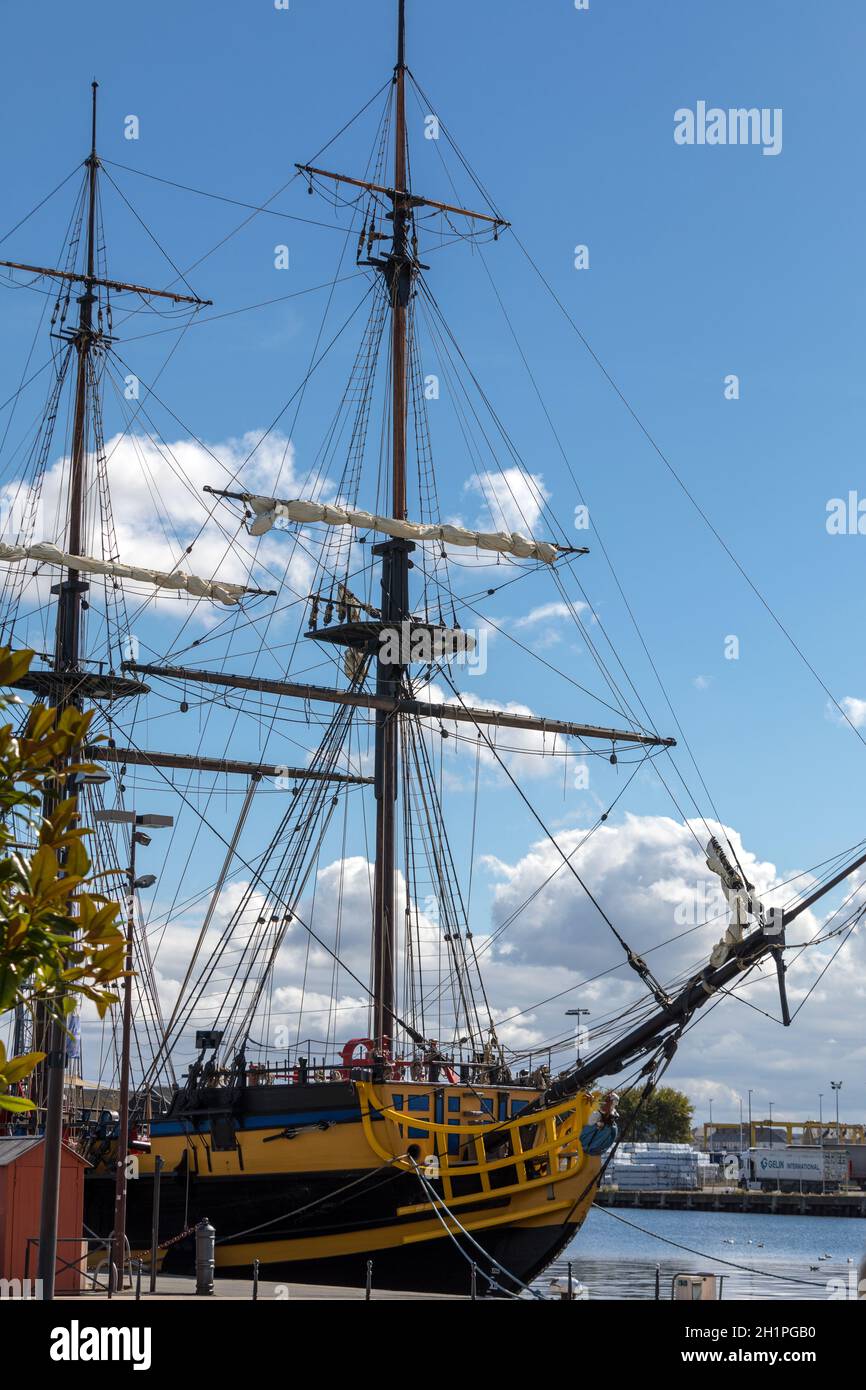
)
(20, 1201)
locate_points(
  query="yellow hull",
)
(409, 1175)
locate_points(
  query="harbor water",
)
(787, 1257)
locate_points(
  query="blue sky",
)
(703, 262)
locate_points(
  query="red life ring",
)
(350, 1060)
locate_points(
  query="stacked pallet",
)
(660, 1168)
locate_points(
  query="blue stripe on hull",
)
(286, 1121)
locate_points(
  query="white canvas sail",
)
(46, 553)
(270, 509)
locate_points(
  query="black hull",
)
(436, 1267)
(233, 1205)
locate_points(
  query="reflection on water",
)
(788, 1257)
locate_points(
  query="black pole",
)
(154, 1234)
(66, 658)
(121, 1177)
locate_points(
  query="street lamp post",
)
(821, 1137)
(138, 836)
(740, 1098)
(837, 1086)
(55, 1087)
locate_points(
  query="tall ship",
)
(308, 1056)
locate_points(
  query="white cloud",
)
(162, 517)
(855, 710)
(545, 612)
(513, 499)
(645, 871)
(650, 876)
(527, 753)
(546, 625)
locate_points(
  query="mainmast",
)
(400, 278)
(399, 271)
(381, 634)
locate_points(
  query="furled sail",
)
(269, 509)
(47, 553)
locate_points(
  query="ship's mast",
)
(66, 659)
(391, 703)
(399, 276)
(68, 684)
(48, 1081)
(69, 607)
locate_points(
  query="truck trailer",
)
(795, 1168)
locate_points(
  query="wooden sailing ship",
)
(426, 1156)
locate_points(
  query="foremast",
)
(399, 271)
(51, 1078)
(67, 685)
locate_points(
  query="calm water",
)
(613, 1260)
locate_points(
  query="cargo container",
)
(795, 1168)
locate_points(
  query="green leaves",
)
(13, 665)
(12, 1071)
(57, 938)
(16, 1103)
(19, 1067)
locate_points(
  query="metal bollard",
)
(570, 1282)
(205, 1239)
(138, 1281)
(255, 1281)
(369, 1292)
(474, 1284)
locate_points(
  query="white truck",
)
(795, 1168)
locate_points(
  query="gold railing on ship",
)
(553, 1151)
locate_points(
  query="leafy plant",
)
(665, 1118)
(58, 937)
